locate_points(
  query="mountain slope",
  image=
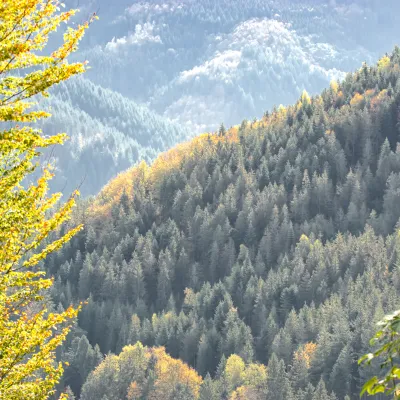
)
(108, 134)
(270, 238)
(203, 62)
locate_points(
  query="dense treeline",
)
(274, 240)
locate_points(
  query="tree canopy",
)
(265, 243)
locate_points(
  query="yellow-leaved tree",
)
(29, 332)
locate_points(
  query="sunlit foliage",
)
(141, 371)
(29, 331)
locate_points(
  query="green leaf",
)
(396, 372)
(396, 326)
(369, 385)
(367, 357)
(377, 389)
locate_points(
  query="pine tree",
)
(278, 385)
(321, 392)
(222, 130)
(138, 285)
(164, 281)
(209, 389)
(69, 393)
(341, 373)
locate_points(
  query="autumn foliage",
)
(306, 353)
(170, 372)
(29, 332)
(141, 371)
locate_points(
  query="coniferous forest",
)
(250, 263)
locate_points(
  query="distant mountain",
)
(108, 133)
(201, 62)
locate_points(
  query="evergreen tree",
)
(278, 385)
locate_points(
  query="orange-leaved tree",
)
(29, 332)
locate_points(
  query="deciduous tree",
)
(29, 331)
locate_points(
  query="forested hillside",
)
(174, 67)
(275, 240)
(201, 62)
(109, 133)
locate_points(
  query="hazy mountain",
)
(204, 62)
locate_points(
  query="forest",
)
(254, 261)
